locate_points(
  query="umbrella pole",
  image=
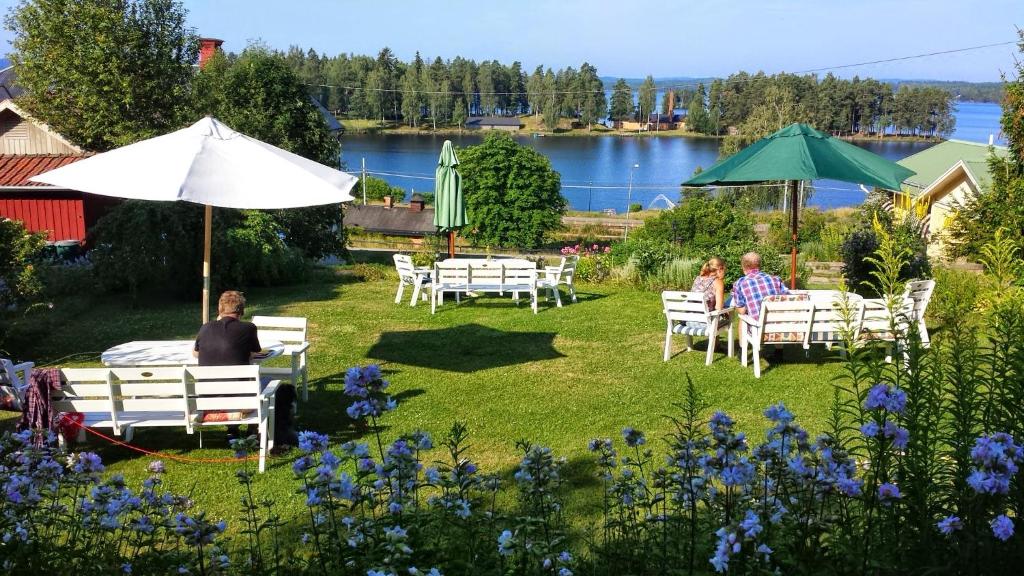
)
(795, 215)
(207, 234)
(451, 243)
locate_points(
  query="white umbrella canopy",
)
(207, 163)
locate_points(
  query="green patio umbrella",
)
(799, 152)
(449, 205)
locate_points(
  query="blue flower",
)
(876, 397)
(422, 440)
(633, 437)
(778, 413)
(505, 543)
(950, 524)
(1002, 527)
(888, 492)
(565, 557)
(302, 464)
(310, 441)
(563, 571)
(869, 429)
(432, 476)
(751, 525)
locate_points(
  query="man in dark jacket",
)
(231, 341)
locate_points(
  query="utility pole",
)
(363, 179)
(629, 200)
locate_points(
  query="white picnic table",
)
(167, 353)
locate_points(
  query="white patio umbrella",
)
(207, 163)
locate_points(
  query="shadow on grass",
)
(467, 348)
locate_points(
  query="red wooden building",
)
(29, 148)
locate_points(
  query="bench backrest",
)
(9, 376)
(684, 306)
(223, 388)
(499, 274)
(786, 318)
(116, 391)
(920, 293)
(569, 267)
(284, 329)
(836, 321)
(405, 267)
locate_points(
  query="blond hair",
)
(713, 264)
(231, 302)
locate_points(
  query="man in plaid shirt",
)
(754, 286)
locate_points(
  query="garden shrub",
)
(377, 189)
(699, 223)
(861, 243)
(19, 249)
(159, 245)
(676, 274)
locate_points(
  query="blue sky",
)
(639, 37)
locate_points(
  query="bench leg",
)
(730, 345)
(689, 343)
(572, 292)
(756, 347)
(401, 289)
(712, 342)
(415, 294)
(668, 342)
(558, 295)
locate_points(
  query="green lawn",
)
(558, 378)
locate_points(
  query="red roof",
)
(15, 170)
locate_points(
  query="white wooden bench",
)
(682, 308)
(291, 332)
(123, 399)
(17, 377)
(460, 277)
(797, 319)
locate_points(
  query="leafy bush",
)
(636, 207)
(19, 281)
(377, 189)
(513, 196)
(157, 246)
(858, 268)
(700, 223)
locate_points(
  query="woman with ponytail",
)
(711, 283)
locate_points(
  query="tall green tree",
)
(552, 101)
(648, 94)
(513, 196)
(622, 101)
(259, 95)
(591, 89)
(104, 73)
(411, 96)
(697, 118)
(534, 91)
(459, 113)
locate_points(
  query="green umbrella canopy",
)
(449, 205)
(799, 152)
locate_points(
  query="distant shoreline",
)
(597, 131)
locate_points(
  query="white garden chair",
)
(17, 376)
(408, 274)
(683, 307)
(290, 331)
(910, 309)
(555, 276)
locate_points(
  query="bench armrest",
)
(270, 390)
(748, 320)
(714, 313)
(301, 349)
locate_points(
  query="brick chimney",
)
(416, 203)
(207, 47)
(388, 202)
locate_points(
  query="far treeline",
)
(444, 93)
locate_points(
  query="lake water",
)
(596, 170)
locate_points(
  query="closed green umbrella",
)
(449, 205)
(799, 152)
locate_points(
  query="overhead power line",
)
(676, 86)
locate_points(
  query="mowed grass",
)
(557, 378)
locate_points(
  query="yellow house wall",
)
(944, 205)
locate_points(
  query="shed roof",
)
(936, 161)
(396, 221)
(15, 170)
